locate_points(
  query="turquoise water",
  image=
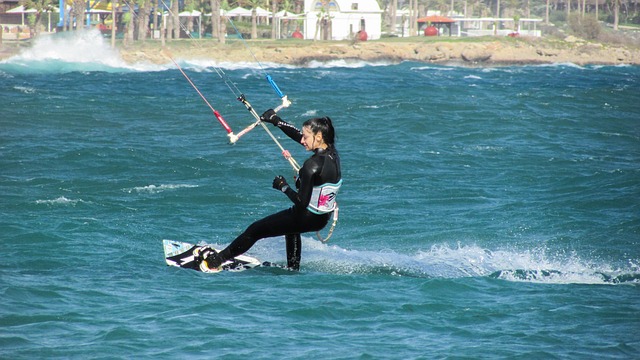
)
(485, 212)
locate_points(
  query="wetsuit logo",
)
(323, 198)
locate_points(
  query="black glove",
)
(279, 183)
(270, 116)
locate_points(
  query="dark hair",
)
(324, 126)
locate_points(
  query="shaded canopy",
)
(262, 12)
(436, 19)
(239, 11)
(287, 15)
(193, 13)
(21, 10)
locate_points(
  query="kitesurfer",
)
(314, 199)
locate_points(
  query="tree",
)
(215, 20)
(274, 10)
(154, 15)
(393, 10)
(189, 7)
(616, 14)
(254, 23)
(113, 24)
(168, 22)
(254, 17)
(174, 33)
(546, 16)
(163, 26)
(77, 10)
(413, 17)
(40, 6)
(128, 27)
(143, 19)
(286, 5)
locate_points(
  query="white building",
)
(347, 18)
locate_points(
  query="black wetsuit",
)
(321, 168)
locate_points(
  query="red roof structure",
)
(436, 19)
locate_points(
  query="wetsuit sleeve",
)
(291, 131)
(308, 171)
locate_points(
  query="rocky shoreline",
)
(485, 51)
(488, 51)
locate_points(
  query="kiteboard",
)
(185, 255)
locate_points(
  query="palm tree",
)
(41, 6)
(215, 19)
(287, 6)
(114, 5)
(393, 10)
(174, 24)
(546, 16)
(413, 17)
(616, 14)
(77, 9)
(131, 21)
(142, 19)
(168, 21)
(188, 28)
(274, 10)
(254, 16)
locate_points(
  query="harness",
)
(323, 198)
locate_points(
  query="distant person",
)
(314, 199)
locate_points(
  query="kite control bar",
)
(285, 153)
(258, 121)
(243, 99)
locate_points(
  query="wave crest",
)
(71, 51)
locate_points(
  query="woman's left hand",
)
(279, 183)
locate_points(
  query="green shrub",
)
(557, 16)
(586, 26)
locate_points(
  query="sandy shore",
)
(466, 51)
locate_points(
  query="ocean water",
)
(486, 212)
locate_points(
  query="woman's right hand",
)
(270, 116)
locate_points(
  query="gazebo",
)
(238, 11)
(193, 14)
(21, 10)
(437, 21)
(286, 16)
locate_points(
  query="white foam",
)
(59, 201)
(207, 65)
(341, 63)
(74, 51)
(154, 189)
(25, 89)
(310, 113)
(430, 67)
(445, 261)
